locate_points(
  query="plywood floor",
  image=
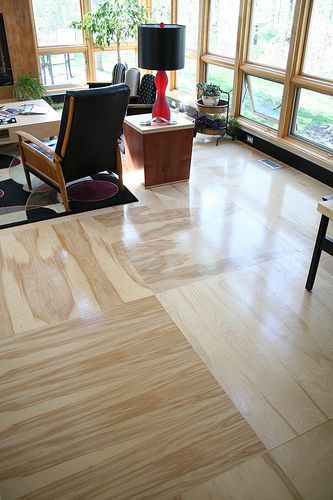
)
(168, 348)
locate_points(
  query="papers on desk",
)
(24, 109)
(33, 109)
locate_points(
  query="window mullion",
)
(241, 49)
(296, 49)
(202, 39)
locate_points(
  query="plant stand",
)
(213, 120)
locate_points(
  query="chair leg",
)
(317, 252)
(119, 168)
(62, 187)
(26, 171)
(27, 176)
(64, 196)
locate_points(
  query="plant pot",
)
(210, 100)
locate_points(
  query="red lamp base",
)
(161, 108)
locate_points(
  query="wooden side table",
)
(163, 151)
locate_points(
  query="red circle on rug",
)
(15, 161)
(92, 190)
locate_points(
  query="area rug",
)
(19, 206)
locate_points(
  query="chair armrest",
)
(44, 147)
(96, 85)
(140, 106)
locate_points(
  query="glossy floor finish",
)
(103, 395)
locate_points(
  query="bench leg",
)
(317, 252)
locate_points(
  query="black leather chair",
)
(141, 103)
(87, 143)
(144, 101)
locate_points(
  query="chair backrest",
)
(147, 90)
(89, 129)
(132, 79)
(97, 85)
(118, 73)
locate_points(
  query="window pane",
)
(223, 77)
(60, 69)
(319, 52)
(314, 118)
(52, 19)
(188, 14)
(271, 24)
(161, 11)
(223, 22)
(261, 101)
(106, 59)
(186, 78)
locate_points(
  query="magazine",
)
(7, 112)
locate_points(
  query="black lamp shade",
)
(161, 48)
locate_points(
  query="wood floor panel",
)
(101, 395)
(308, 462)
(282, 385)
(190, 246)
(259, 478)
(60, 271)
(300, 470)
(116, 406)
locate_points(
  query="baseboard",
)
(306, 166)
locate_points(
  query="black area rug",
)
(19, 206)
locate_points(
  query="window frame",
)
(292, 77)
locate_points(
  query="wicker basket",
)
(212, 110)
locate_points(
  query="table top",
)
(33, 119)
(134, 121)
(326, 208)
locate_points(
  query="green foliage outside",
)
(113, 21)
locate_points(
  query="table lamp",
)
(161, 47)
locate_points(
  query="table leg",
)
(317, 252)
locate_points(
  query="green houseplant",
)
(209, 93)
(113, 21)
(29, 87)
(233, 127)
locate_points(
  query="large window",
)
(223, 22)
(63, 69)
(261, 101)
(106, 59)
(275, 57)
(270, 32)
(161, 11)
(318, 59)
(313, 118)
(188, 14)
(52, 20)
(224, 77)
(58, 66)
(186, 78)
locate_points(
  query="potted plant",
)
(113, 21)
(29, 87)
(209, 93)
(233, 127)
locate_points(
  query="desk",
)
(40, 126)
(163, 151)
